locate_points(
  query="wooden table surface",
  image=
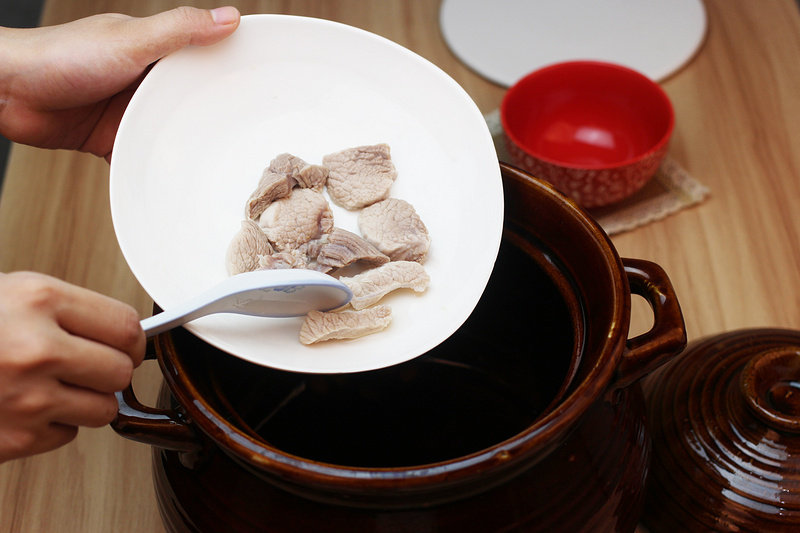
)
(733, 259)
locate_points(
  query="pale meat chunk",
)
(244, 250)
(372, 285)
(297, 219)
(310, 251)
(320, 326)
(360, 176)
(278, 179)
(305, 175)
(395, 229)
(271, 186)
(343, 248)
(278, 260)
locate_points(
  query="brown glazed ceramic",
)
(725, 419)
(529, 418)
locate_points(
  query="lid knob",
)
(770, 382)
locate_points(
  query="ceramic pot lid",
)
(725, 420)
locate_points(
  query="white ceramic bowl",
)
(207, 120)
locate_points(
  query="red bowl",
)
(596, 131)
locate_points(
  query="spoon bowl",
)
(267, 293)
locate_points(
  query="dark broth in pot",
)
(489, 381)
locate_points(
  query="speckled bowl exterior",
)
(591, 188)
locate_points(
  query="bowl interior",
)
(587, 114)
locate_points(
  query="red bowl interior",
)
(587, 114)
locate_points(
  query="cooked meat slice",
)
(372, 285)
(271, 186)
(287, 164)
(278, 179)
(360, 176)
(395, 229)
(347, 324)
(345, 248)
(313, 265)
(289, 259)
(312, 177)
(297, 219)
(247, 245)
(310, 252)
(311, 248)
(305, 175)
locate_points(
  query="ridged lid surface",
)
(725, 420)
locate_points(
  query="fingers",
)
(93, 366)
(52, 419)
(104, 320)
(56, 436)
(93, 316)
(106, 128)
(21, 443)
(82, 407)
(56, 320)
(65, 351)
(44, 401)
(166, 32)
(39, 413)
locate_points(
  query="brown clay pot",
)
(529, 418)
(725, 421)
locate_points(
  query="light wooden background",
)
(733, 260)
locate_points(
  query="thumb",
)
(169, 31)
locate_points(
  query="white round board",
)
(504, 41)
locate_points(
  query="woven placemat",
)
(670, 190)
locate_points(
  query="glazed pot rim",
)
(545, 432)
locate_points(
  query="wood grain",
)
(733, 259)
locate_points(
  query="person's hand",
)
(67, 86)
(64, 352)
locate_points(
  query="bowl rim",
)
(609, 66)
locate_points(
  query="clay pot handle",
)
(163, 428)
(646, 352)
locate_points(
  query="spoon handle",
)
(212, 300)
(169, 319)
(266, 293)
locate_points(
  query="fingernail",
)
(225, 15)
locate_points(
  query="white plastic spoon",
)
(268, 293)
